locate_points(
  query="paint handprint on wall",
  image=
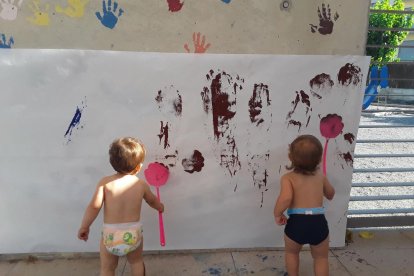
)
(75, 8)
(199, 46)
(326, 23)
(40, 14)
(302, 99)
(219, 103)
(4, 44)
(9, 9)
(259, 136)
(170, 105)
(174, 5)
(109, 18)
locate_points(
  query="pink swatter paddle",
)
(157, 175)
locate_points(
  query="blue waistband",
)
(306, 211)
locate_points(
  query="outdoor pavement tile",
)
(377, 261)
(5, 267)
(188, 264)
(383, 239)
(61, 267)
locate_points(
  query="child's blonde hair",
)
(125, 154)
(305, 153)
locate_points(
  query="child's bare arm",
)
(91, 211)
(328, 189)
(285, 197)
(152, 200)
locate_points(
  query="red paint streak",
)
(174, 5)
(256, 102)
(295, 123)
(159, 97)
(194, 163)
(164, 134)
(348, 74)
(348, 158)
(178, 105)
(206, 99)
(349, 137)
(222, 112)
(305, 98)
(295, 104)
(229, 157)
(321, 81)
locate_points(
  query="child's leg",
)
(292, 250)
(320, 258)
(135, 260)
(109, 262)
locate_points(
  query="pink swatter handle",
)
(161, 222)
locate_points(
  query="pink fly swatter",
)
(157, 175)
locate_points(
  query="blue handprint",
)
(109, 19)
(226, 1)
(3, 42)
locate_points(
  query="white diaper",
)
(122, 238)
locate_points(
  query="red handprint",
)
(325, 21)
(199, 47)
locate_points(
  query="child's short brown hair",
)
(305, 153)
(125, 154)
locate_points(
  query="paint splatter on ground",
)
(194, 163)
(349, 74)
(75, 122)
(259, 136)
(219, 102)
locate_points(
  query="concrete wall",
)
(230, 26)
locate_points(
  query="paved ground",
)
(387, 253)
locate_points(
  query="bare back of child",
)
(121, 194)
(301, 194)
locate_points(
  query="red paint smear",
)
(159, 97)
(256, 102)
(348, 158)
(348, 74)
(305, 98)
(349, 137)
(221, 106)
(295, 104)
(206, 99)
(295, 123)
(195, 163)
(321, 81)
(164, 134)
(178, 105)
(174, 5)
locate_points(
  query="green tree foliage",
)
(390, 38)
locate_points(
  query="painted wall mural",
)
(221, 124)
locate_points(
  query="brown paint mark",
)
(159, 97)
(206, 99)
(326, 23)
(321, 81)
(164, 134)
(257, 167)
(295, 123)
(256, 102)
(348, 158)
(174, 5)
(194, 163)
(221, 97)
(305, 98)
(349, 137)
(170, 101)
(349, 73)
(295, 104)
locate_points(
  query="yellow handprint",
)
(75, 8)
(40, 17)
